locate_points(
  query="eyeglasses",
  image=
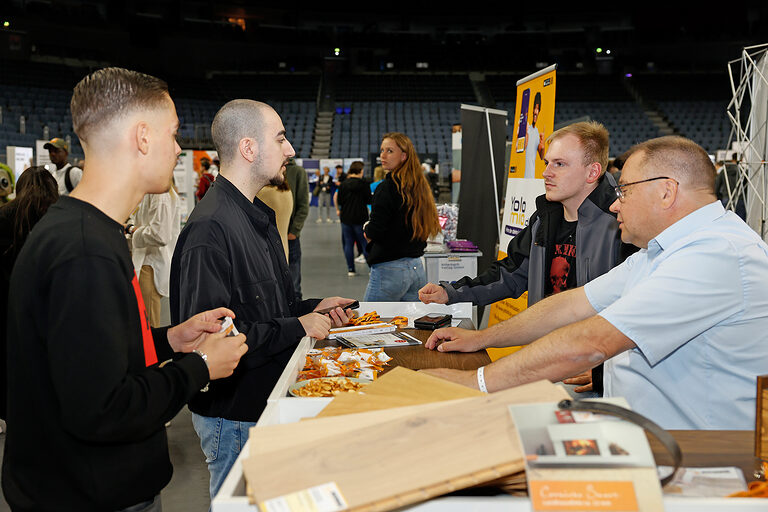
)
(620, 188)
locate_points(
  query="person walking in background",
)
(153, 238)
(205, 180)
(67, 175)
(35, 192)
(324, 182)
(434, 181)
(298, 182)
(403, 217)
(353, 197)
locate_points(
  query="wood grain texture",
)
(761, 418)
(397, 388)
(711, 448)
(419, 358)
(406, 459)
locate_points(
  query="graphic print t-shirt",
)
(562, 268)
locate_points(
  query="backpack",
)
(68, 180)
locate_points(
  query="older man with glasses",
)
(682, 325)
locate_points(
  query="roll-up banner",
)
(535, 120)
(482, 174)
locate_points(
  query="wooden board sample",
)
(272, 438)
(404, 460)
(398, 388)
(761, 418)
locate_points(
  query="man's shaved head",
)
(236, 120)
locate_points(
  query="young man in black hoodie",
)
(90, 384)
(571, 239)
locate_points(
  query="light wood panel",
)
(403, 460)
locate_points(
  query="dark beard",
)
(277, 180)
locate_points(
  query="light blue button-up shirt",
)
(695, 303)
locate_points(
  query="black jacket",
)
(354, 196)
(389, 229)
(529, 253)
(230, 254)
(85, 415)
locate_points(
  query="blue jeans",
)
(396, 281)
(352, 233)
(221, 441)
(294, 265)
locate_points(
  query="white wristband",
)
(481, 379)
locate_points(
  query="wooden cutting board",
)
(402, 460)
(397, 388)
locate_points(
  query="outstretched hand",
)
(454, 339)
(582, 380)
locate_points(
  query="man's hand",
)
(463, 377)
(316, 326)
(224, 353)
(583, 380)
(291, 236)
(432, 292)
(339, 317)
(186, 336)
(455, 339)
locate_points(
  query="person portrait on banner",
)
(534, 139)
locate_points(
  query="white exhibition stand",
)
(282, 408)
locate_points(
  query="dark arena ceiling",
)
(193, 37)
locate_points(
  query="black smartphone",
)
(350, 305)
(432, 322)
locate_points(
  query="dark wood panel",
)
(419, 358)
(703, 448)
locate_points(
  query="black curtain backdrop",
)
(477, 207)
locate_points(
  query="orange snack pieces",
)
(400, 321)
(368, 318)
(338, 362)
(328, 387)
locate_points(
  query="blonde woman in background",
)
(153, 234)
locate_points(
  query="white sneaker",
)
(350, 273)
(360, 259)
(319, 221)
(329, 221)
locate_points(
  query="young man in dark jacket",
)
(88, 397)
(230, 253)
(353, 196)
(572, 237)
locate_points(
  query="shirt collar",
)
(256, 210)
(691, 222)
